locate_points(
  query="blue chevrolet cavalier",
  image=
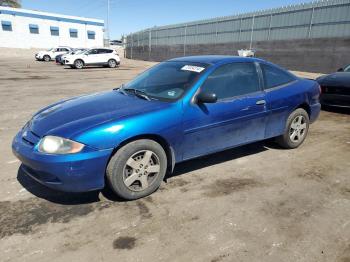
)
(180, 109)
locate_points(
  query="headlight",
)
(59, 145)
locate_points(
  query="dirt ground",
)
(253, 203)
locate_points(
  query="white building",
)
(22, 28)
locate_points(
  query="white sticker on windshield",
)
(192, 68)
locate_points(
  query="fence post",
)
(185, 39)
(216, 31)
(240, 30)
(269, 33)
(311, 21)
(132, 45)
(149, 44)
(251, 34)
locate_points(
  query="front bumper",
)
(79, 172)
(38, 57)
(67, 62)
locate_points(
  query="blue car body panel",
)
(103, 121)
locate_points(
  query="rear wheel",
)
(112, 63)
(47, 58)
(137, 169)
(296, 130)
(78, 64)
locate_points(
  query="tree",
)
(11, 3)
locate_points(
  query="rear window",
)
(105, 51)
(274, 76)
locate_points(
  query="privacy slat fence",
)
(320, 19)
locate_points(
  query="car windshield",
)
(77, 52)
(85, 51)
(167, 81)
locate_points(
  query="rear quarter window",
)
(274, 76)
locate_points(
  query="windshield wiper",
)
(120, 88)
(137, 93)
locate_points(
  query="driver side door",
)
(238, 117)
(91, 57)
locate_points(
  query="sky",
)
(127, 16)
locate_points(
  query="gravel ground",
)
(253, 203)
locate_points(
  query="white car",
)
(94, 57)
(51, 54)
(61, 58)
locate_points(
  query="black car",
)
(59, 59)
(336, 88)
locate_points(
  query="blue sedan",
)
(184, 108)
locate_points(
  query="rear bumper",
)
(335, 100)
(80, 172)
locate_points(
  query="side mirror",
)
(340, 70)
(205, 97)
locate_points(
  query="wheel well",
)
(160, 140)
(306, 107)
(80, 60)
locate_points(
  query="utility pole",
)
(107, 29)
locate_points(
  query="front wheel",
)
(78, 64)
(137, 169)
(297, 127)
(47, 58)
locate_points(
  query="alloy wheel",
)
(297, 129)
(79, 64)
(112, 63)
(141, 170)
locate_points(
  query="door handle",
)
(261, 102)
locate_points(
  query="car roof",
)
(215, 59)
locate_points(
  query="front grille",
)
(336, 90)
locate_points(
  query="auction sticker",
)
(192, 68)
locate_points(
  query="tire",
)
(79, 64)
(132, 181)
(47, 58)
(296, 130)
(112, 63)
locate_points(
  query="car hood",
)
(336, 79)
(73, 116)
